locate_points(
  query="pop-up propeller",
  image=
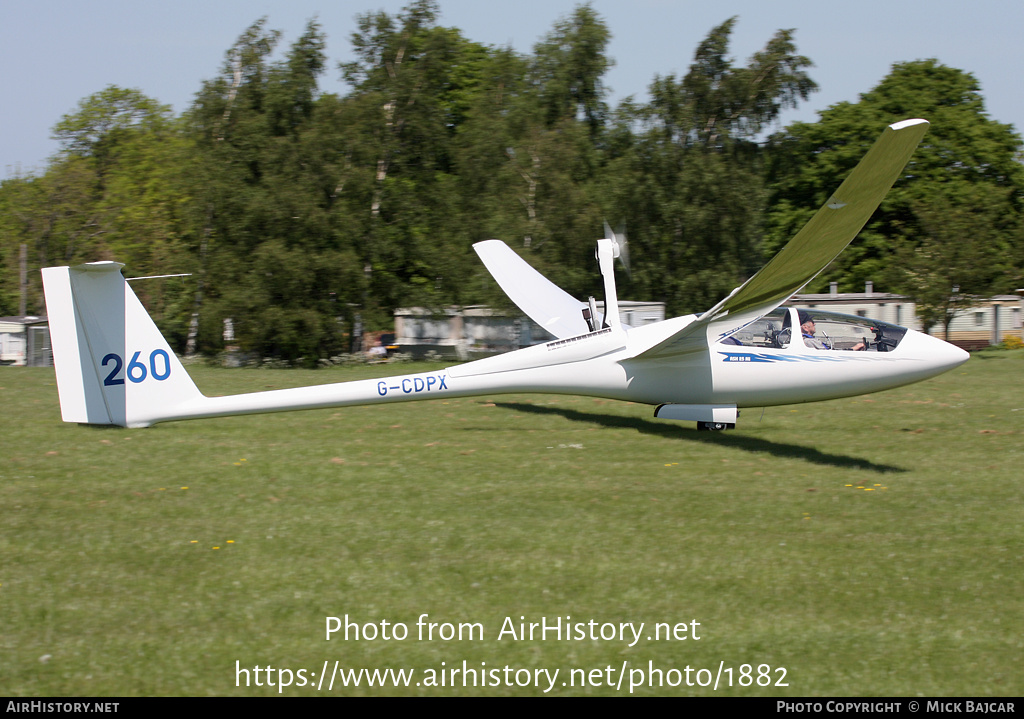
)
(620, 246)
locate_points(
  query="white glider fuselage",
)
(114, 366)
(601, 364)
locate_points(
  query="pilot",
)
(807, 329)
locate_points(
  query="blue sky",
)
(56, 52)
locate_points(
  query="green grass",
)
(869, 546)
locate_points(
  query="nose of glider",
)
(939, 355)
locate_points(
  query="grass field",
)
(870, 546)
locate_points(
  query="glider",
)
(115, 368)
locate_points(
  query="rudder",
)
(113, 366)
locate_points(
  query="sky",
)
(54, 53)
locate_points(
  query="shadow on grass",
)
(721, 439)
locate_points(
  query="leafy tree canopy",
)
(297, 211)
(965, 156)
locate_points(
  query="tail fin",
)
(113, 365)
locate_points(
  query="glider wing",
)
(539, 298)
(827, 234)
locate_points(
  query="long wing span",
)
(539, 298)
(820, 241)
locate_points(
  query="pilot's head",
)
(806, 322)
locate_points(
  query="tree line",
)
(294, 210)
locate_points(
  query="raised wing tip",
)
(486, 243)
(907, 123)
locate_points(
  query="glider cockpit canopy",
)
(839, 331)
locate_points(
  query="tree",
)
(415, 87)
(692, 189)
(293, 208)
(567, 68)
(17, 200)
(111, 192)
(718, 103)
(103, 122)
(119, 154)
(965, 157)
(267, 236)
(964, 250)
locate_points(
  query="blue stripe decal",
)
(771, 358)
